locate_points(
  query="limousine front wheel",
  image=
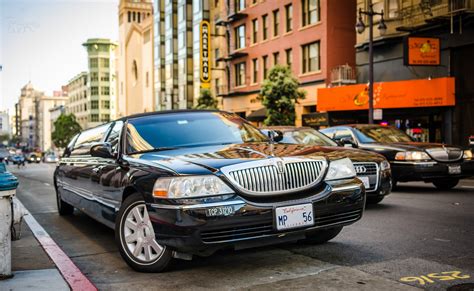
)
(136, 238)
(64, 208)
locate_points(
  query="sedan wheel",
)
(446, 184)
(136, 238)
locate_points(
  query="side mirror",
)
(348, 142)
(275, 135)
(102, 150)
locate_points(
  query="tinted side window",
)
(88, 137)
(114, 135)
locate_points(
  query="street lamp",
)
(360, 27)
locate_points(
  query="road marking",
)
(47, 184)
(433, 277)
(70, 272)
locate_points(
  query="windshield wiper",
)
(159, 149)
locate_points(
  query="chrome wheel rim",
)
(139, 236)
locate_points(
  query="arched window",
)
(134, 16)
(129, 16)
(135, 72)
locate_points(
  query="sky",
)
(41, 41)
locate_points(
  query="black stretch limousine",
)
(182, 183)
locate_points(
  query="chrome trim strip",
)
(197, 206)
(414, 163)
(344, 188)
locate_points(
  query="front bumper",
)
(430, 171)
(201, 227)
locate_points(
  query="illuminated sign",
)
(422, 51)
(400, 94)
(205, 54)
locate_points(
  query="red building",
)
(313, 37)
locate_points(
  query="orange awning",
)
(399, 94)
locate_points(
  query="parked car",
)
(181, 183)
(33, 158)
(18, 159)
(51, 158)
(372, 169)
(471, 142)
(440, 164)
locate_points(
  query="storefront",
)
(422, 108)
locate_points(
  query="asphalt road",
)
(418, 236)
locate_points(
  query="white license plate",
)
(294, 216)
(365, 180)
(454, 169)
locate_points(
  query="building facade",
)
(177, 48)
(44, 104)
(79, 100)
(5, 129)
(135, 57)
(310, 36)
(34, 117)
(102, 80)
(427, 44)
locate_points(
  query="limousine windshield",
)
(148, 133)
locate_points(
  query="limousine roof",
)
(168, 112)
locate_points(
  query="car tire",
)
(446, 184)
(375, 200)
(64, 208)
(322, 236)
(136, 240)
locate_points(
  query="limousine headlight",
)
(467, 155)
(340, 169)
(384, 165)
(189, 187)
(412, 156)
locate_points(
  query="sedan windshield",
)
(190, 129)
(370, 134)
(307, 136)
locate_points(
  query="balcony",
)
(429, 12)
(343, 75)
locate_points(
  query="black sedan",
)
(440, 164)
(372, 169)
(182, 183)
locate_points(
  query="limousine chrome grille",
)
(445, 154)
(276, 176)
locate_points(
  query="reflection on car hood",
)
(215, 157)
(407, 146)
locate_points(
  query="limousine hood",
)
(212, 158)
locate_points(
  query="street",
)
(418, 236)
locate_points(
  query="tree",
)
(206, 101)
(65, 127)
(279, 93)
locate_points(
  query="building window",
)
(392, 8)
(94, 63)
(129, 14)
(105, 104)
(265, 66)
(311, 57)
(265, 26)
(94, 90)
(254, 70)
(254, 1)
(240, 37)
(310, 9)
(289, 17)
(104, 63)
(276, 58)
(105, 91)
(239, 5)
(240, 74)
(94, 117)
(255, 30)
(289, 57)
(276, 22)
(94, 104)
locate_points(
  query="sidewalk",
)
(31, 266)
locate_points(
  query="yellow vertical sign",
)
(205, 54)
